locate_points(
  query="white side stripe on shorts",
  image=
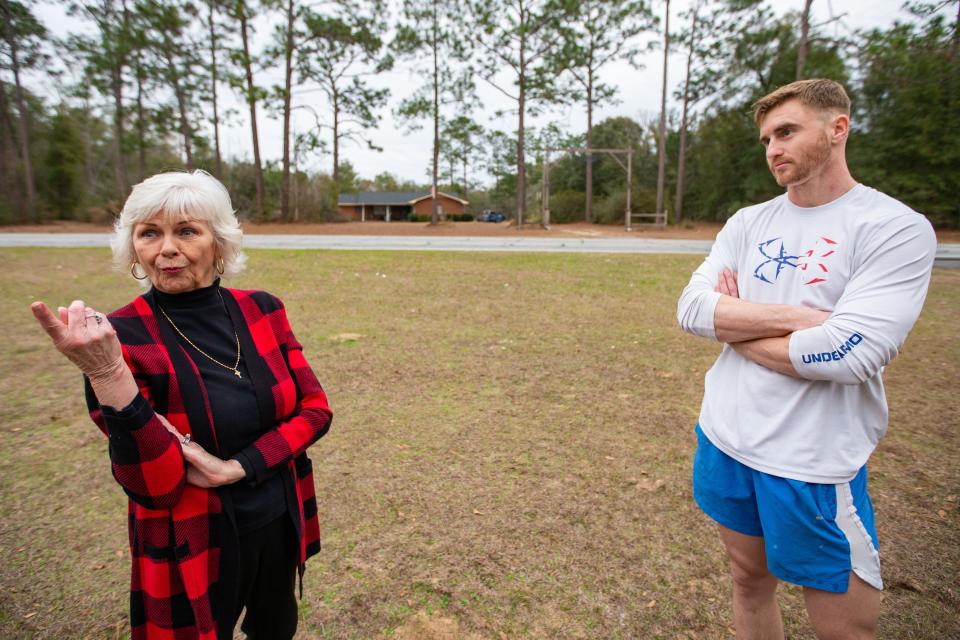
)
(864, 557)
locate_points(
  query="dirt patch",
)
(423, 626)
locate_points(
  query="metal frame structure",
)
(659, 219)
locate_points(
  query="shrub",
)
(462, 217)
(567, 206)
(611, 209)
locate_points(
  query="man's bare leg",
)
(756, 614)
(848, 616)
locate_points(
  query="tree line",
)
(142, 90)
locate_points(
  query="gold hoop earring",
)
(219, 265)
(133, 271)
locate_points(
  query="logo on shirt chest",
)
(812, 263)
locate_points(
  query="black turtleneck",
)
(202, 317)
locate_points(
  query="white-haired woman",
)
(209, 407)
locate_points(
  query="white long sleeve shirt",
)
(864, 257)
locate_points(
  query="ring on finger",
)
(186, 440)
(96, 316)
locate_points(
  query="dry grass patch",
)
(509, 458)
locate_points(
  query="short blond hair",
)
(817, 93)
(178, 194)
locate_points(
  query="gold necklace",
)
(236, 366)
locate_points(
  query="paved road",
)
(947, 254)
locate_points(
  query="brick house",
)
(395, 205)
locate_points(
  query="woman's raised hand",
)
(87, 338)
(84, 336)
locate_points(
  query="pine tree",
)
(340, 51)
(598, 33)
(430, 34)
(520, 37)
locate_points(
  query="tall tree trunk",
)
(288, 78)
(804, 36)
(119, 162)
(252, 102)
(662, 151)
(116, 86)
(682, 153)
(23, 123)
(138, 72)
(589, 194)
(181, 100)
(184, 123)
(141, 127)
(336, 140)
(434, 209)
(295, 187)
(218, 160)
(521, 159)
(89, 173)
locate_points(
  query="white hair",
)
(177, 195)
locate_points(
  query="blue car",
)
(491, 216)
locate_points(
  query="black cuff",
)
(247, 466)
(134, 415)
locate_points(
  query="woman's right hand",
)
(84, 336)
(89, 341)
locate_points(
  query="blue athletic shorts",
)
(814, 534)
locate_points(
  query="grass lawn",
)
(509, 457)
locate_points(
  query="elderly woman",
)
(209, 407)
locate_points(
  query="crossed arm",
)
(760, 332)
(849, 344)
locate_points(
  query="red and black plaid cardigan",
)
(182, 538)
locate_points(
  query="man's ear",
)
(839, 128)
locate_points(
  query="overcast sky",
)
(408, 156)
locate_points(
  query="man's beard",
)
(804, 165)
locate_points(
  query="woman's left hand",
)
(204, 469)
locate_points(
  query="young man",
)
(813, 293)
